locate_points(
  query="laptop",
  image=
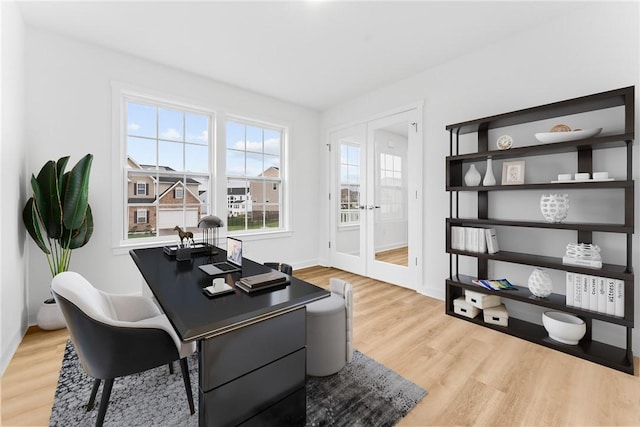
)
(233, 262)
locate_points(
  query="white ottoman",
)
(326, 336)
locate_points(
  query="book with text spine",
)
(577, 290)
(602, 295)
(492, 240)
(611, 297)
(593, 293)
(585, 291)
(619, 298)
(569, 288)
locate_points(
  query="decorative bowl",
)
(552, 137)
(564, 327)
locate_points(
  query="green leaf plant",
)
(58, 216)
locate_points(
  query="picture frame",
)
(513, 173)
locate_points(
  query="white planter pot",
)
(50, 317)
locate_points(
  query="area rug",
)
(364, 393)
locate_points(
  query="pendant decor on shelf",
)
(540, 283)
(554, 207)
(489, 178)
(472, 177)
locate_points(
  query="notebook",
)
(233, 262)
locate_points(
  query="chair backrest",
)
(107, 351)
(344, 289)
(285, 268)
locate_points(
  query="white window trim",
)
(285, 209)
(120, 93)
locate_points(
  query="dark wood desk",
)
(252, 347)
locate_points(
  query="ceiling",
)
(317, 54)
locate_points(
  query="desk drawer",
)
(251, 394)
(231, 355)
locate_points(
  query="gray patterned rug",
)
(364, 393)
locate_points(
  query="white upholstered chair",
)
(330, 330)
(117, 335)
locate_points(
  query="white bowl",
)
(564, 327)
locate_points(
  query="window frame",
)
(268, 182)
(121, 94)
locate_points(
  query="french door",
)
(376, 212)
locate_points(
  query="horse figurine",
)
(184, 234)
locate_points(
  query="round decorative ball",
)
(554, 207)
(540, 283)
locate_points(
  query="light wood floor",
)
(399, 256)
(474, 375)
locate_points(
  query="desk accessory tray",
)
(196, 248)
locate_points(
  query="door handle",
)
(371, 207)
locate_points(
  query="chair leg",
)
(171, 367)
(94, 391)
(184, 366)
(104, 401)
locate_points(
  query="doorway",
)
(376, 213)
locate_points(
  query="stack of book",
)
(262, 281)
(595, 293)
(472, 239)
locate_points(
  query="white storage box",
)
(481, 300)
(496, 315)
(462, 307)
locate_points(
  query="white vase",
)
(489, 179)
(540, 283)
(50, 316)
(472, 177)
(554, 207)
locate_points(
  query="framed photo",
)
(513, 173)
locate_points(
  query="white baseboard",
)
(10, 350)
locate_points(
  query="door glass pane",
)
(390, 208)
(348, 209)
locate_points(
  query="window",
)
(254, 176)
(141, 216)
(168, 150)
(349, 184)
(142, 189)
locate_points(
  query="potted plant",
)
(58, 218)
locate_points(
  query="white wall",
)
(594, 49)
(68, 108)
(13, 175)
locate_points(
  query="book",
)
(492, 240)
(569, 288)
(611, 297)
(457, 238)
(602, 295)
(585, 291)
(619, 298)
(593, 293)
(495, 284)
(589, 263)
(265, 279)
(481, 240)
(469, 235)
(577, 290)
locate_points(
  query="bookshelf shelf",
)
(588, 348)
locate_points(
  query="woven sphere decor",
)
(540, 283)
(554, 207)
